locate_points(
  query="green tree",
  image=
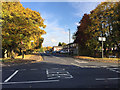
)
(60, 44)
(63, 44)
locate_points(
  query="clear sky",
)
(59, 17)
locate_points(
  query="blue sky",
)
(59, 17)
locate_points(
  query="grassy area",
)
(25, 56)
(18, 59)
(111, 60)
(85, 57)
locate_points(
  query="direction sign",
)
(102, 39)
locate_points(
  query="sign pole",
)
(102, 39)
(102, 48)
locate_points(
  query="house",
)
(71, 48)
(57, 48)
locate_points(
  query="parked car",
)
(62, 51)
(47, 52)
(53, 51)
(111, 56)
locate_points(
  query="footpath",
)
(32, 58)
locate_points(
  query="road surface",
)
(61, 72)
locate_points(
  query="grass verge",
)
(18, 60)
(111, 60)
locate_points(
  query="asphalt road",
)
(61, 72)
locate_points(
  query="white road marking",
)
(23, 69)
(11, 76)
(80, 61)
(107, 78)
(104, 66)
(69, 77)
(47, 72)
(85, 66)
(55, 68)
(53, 78)
(58, 73)
(30, 82)
(33, 69)
(118, 71)
(75, 64)
(114, 65)
(114, 69)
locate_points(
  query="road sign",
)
(102, 39)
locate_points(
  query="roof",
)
(57, 46)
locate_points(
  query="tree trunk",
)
(12, 54)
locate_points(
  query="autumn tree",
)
(81, 36)
(20, 24)
(104, 22)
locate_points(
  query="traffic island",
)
(107, 60)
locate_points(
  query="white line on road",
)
(54, 77)
(23, 69)
(75, 64)
(80, 61)
(69, 76)
(112, 68)
(33, 69)
(47, 72)
(11, 76)
(104, 66)
(117, 71)
(107, 78)
(30, 82)
(85, 66)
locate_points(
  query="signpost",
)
(102, 39)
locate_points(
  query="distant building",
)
(57, 48)
(71, 47)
